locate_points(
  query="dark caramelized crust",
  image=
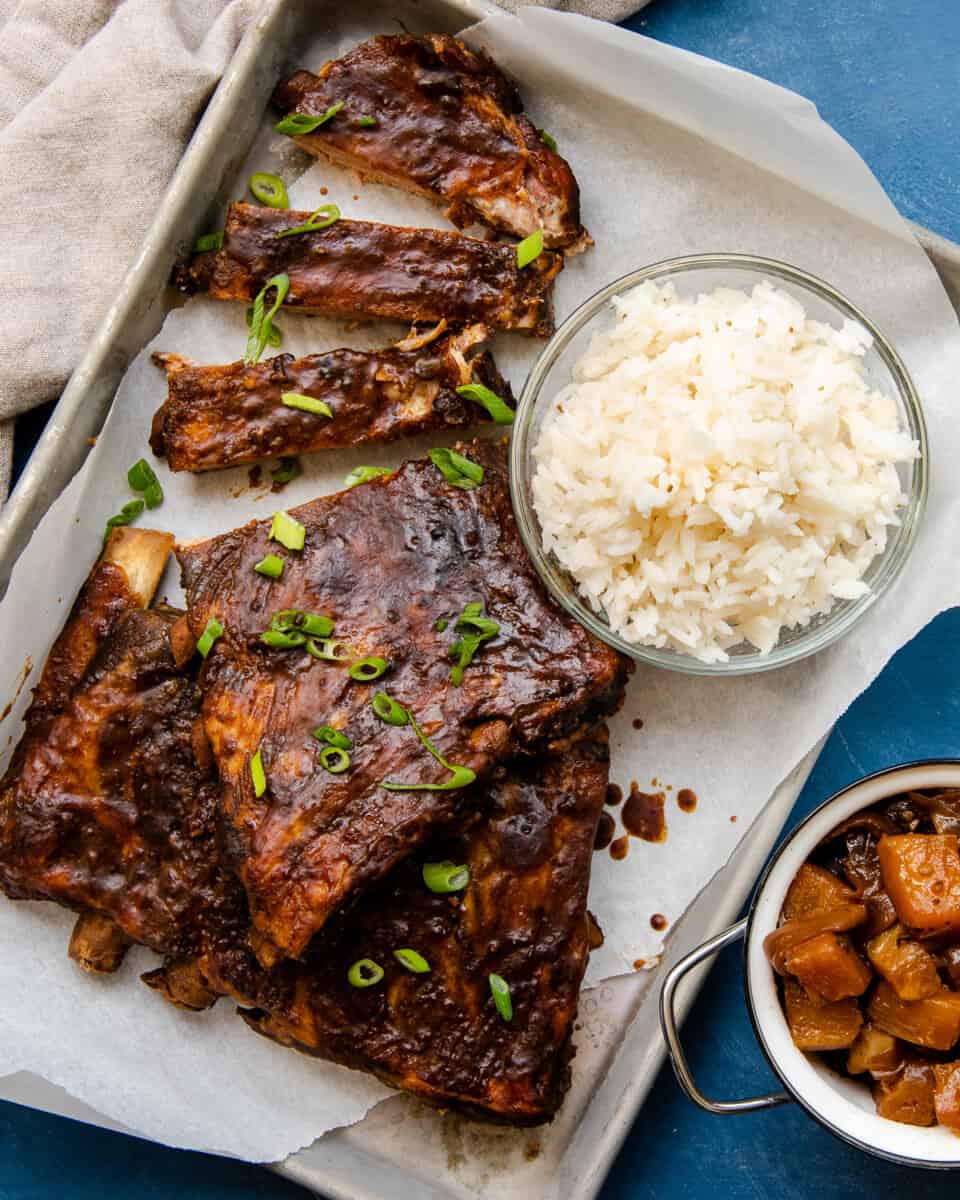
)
(221, 416)
(522, 917)
(448, 125)
(363, 269)
(385, 561)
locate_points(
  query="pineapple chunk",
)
(828, 966)
(933, 1022)
(904, 963)
(907, 1097)
(946, 1094)
(814, 890)
(874, 1051)
(816, 1026)
(921, 872)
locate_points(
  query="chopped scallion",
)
(335, 760)
(261, 320)
(129, 513)
(287, 531)
(364, 973)
(208, 241)
(388, 710)
(500, 990)
(441, 624)
(294, 124)
(269, 190)
(278, 639)
(311, 624)
(548, 140)
(270, 565)
(320, 218)
(459, 776)
(308, 404)
(530, 249)
(141, 475)
(288, 470)
(445, 877)
(475, 630)
(367, 122)
(329, 649)
(458, 470)
(365, 670)
(495, 405)
(212, 630)
(332, 737)
(274, 336)
(258, 775)
(364, 475)
(412, 961)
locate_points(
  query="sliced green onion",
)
(212, 630)
(441, 624)
(500, 991)
(261, 320)
(364, 973)
(365, 670)
(320, 218)
(312, 624)
(334, 759)
(208, 241)
(308, 404)
(367, 122)
(457, 470)
(269, 190)
(274, 336)
(364, 475)
(153, 496)
(388, 710)
(287, 531)
(445, 877)
(412, 961)
(129, 513)
(548, 140)
(459, 776)
(332, 737)
(141, 475)
(495, 405)
(329, 649)
(288, 470)
(277, 639)
(296, 123)
(270, 565)
(258, 775)
(529, 249)
(476, 629)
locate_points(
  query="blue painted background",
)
(886, 74)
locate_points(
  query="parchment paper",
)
(674, 155)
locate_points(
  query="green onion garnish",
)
(365, 670)
(212, 630)
(208, 241)
(270, 565)
(412, 961)
(445, 877)
(130, 511)
(153, 496)
(495, 405)
(320, 218)
(459, 776)
(367, 122)
(278, 639)
(548, 140)
(274, 336)
(364, 475)
(476, 630)
(295, 619)
(458, 471)
(364, 973)
(388, 710)
(332, 737)
(297, 123)
(258, 775)
(529, 249)
(142, 478)
(269, 190)
(308, 404)
(287, 531)
(288, 470)
(500, 991)
(261, 320)
(329, 649)
(440, 624)
(334, 759)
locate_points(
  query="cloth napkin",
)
(98, 99)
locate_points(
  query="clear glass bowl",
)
(883, 369)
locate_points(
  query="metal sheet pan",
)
(401, 1148)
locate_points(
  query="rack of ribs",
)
(226, 415)
(522, 916)
(427, 114)
(105, 808)
(355, 269)
(389, 562)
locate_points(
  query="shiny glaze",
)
(522, 916)
(364, 269)
(449, 126)
(384, 560)
(226, 415)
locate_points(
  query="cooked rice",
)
(719, 469)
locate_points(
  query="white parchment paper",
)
(675, 155)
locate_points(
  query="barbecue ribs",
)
(222, 416)
(431, 116)
(386, 561)
(363, 269)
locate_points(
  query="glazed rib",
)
(222, 416)
(522, 916)
(385, 561)
(448, 125)
(362, 269)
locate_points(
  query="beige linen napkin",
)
(98, 99)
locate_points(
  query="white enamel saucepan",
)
(844, 1106)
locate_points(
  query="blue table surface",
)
(886, 74)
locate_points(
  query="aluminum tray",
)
(401, 1149)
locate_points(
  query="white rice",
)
(719, 469)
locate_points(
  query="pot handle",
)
(668, 1023)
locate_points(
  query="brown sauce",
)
(733, 820)
(686, 800)
(643, 815)
(605, 830)
(639, 964)
(594, 932)
(614, 795)
(638, 722)
(255, 476)
(620, 848)
(658, 922)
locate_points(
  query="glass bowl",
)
(883, 370)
